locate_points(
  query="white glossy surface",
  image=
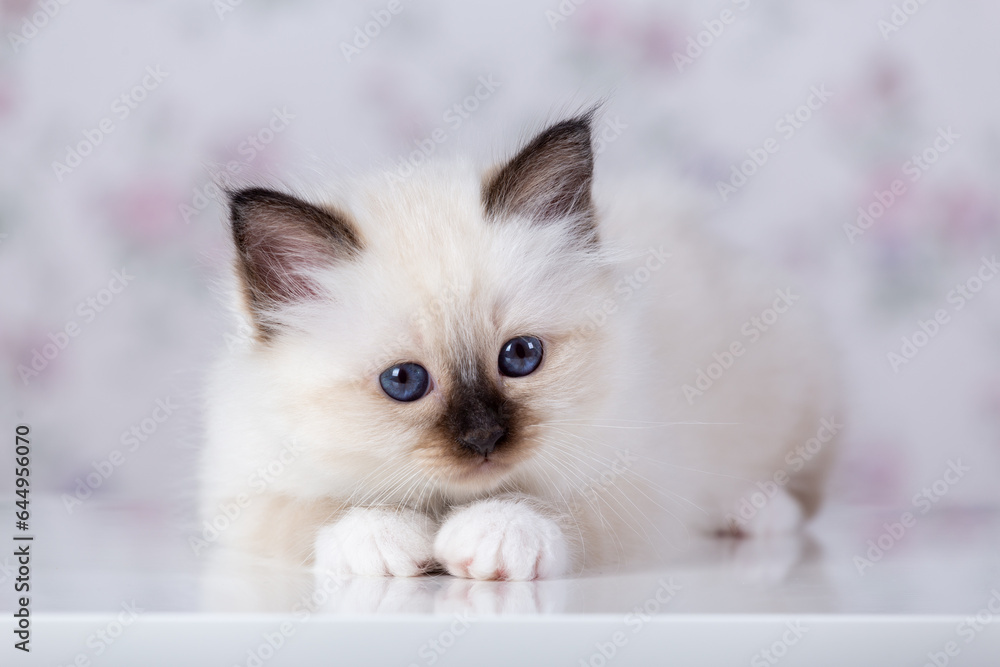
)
(717, 602)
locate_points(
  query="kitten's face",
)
(430, 336)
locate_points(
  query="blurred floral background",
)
(854, 143)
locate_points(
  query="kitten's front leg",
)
(376, 541)
(502, 538)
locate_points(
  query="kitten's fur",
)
(605, 459)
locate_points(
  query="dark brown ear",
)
(279, 240)
(549, 179)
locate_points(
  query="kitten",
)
(488, 373)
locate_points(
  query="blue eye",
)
(405, 382)
(520, 356)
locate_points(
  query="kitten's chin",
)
(482, 474)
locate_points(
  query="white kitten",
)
(482, 373)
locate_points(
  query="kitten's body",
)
(605, 456)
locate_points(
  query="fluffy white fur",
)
(616, 466)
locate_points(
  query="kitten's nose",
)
(482, 440)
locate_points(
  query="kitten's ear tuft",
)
(280, 242)
(549, 179)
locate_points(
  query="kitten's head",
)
(427, 333)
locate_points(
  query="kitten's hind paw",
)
(781, 515)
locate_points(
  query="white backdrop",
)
(155, 98)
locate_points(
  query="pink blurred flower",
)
(145, 210)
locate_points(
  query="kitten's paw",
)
(484, 598)
(780, 516)
(503, 540)
(767, 560)
(376, 542)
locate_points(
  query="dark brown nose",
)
(482, 440)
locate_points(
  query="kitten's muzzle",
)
(482, 441)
